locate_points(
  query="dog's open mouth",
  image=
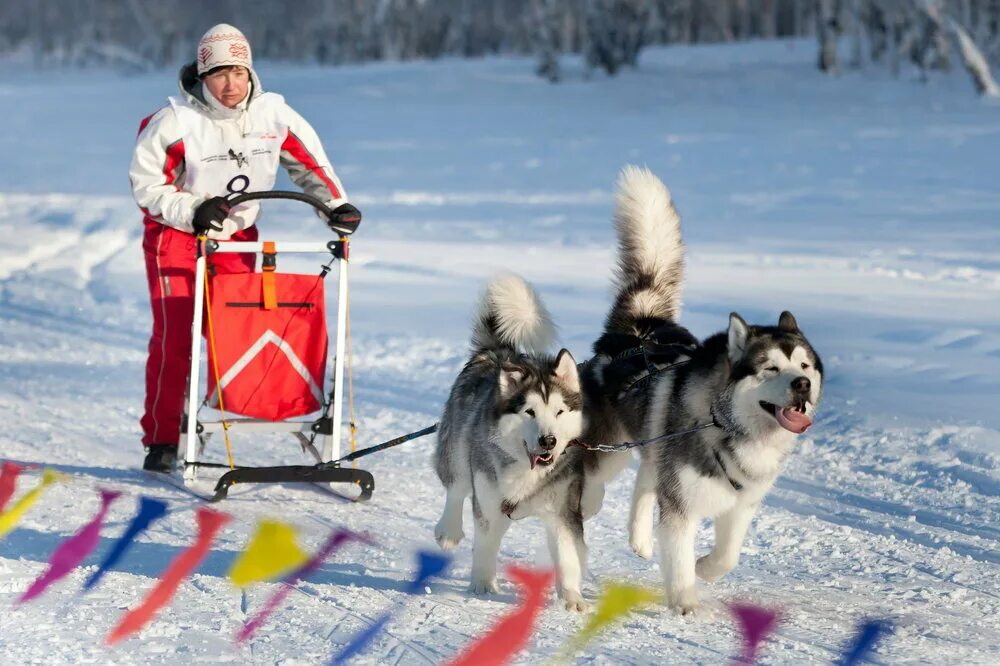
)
(792, 418)
(539, 459)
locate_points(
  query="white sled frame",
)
(301, 429)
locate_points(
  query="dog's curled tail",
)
(650, 254)
(512, 315)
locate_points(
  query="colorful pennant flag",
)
(73, 550)
(755, 625)
(337, 539)
(209, 524)
(512, 632)
(617, 600)
(864, 642)
(8, 481)
(272, 552)
(429, 565)
(149, 510)
(10, 518)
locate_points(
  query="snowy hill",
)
(867, 206)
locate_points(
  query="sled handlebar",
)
(345, 228)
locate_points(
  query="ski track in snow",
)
(881, 237)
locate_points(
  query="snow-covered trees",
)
(925, 32)
(609, 33)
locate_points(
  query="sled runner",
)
(267, 348)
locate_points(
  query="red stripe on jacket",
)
(175, 155)
(294, 146)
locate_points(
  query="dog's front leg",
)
(641, 514)
(490, 527)
(448, 531)
(730, 529)
(677, 535)
(569, 554)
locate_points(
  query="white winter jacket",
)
(189, 150)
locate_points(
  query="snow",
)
(868, 206)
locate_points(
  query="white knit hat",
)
(221, 46)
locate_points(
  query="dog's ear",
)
(565, 371)
(786, 322)
(737, 340)
(510, 377)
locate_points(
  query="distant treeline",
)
(160, 32)
(145, 34)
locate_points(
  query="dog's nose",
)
(547, 442)
(801, 385)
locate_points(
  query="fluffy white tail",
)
(650, 253)
(512, 315)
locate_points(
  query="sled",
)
(267, 358)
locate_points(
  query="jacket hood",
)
(190, 86)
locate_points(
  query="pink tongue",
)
(792, 420)
(534, 460)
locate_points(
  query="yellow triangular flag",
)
(271, 553)
(616, 600)
(10, 517)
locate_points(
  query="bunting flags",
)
(617, 600)
(209, 524)
(72, 551)
(511, 633)
(8, 480)
(429, 565)
(333, 543)
(864, 642)
(755, 624)
(149, 510)
(271, 553)
(10, 518)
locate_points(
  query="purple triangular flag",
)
(755, 624)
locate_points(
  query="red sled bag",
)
(270, 344)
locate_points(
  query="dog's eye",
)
(805, 366)
(771, 368)
(530, 412)
(560, 412)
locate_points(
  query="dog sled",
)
(266, 360)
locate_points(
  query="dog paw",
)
(484, 587)
(574, 601)
(685, 603)
(710, 569)
(446, 538)
(642, 545)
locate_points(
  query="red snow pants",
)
(170, 260)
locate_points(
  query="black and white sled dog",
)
(510, 415)
(757, 385)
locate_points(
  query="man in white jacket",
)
(222, 125)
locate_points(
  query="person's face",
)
(228, 85)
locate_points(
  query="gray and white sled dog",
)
(511, 414)
(758, 385)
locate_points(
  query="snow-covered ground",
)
(870, 207)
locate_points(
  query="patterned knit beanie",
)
(221, 46)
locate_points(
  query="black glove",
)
(209, 215)
(344, 216)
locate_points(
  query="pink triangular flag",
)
(73, 550)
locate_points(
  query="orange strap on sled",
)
(268, 265)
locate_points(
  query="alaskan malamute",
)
(511, 413)
(751, 389)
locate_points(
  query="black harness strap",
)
(737, 486)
